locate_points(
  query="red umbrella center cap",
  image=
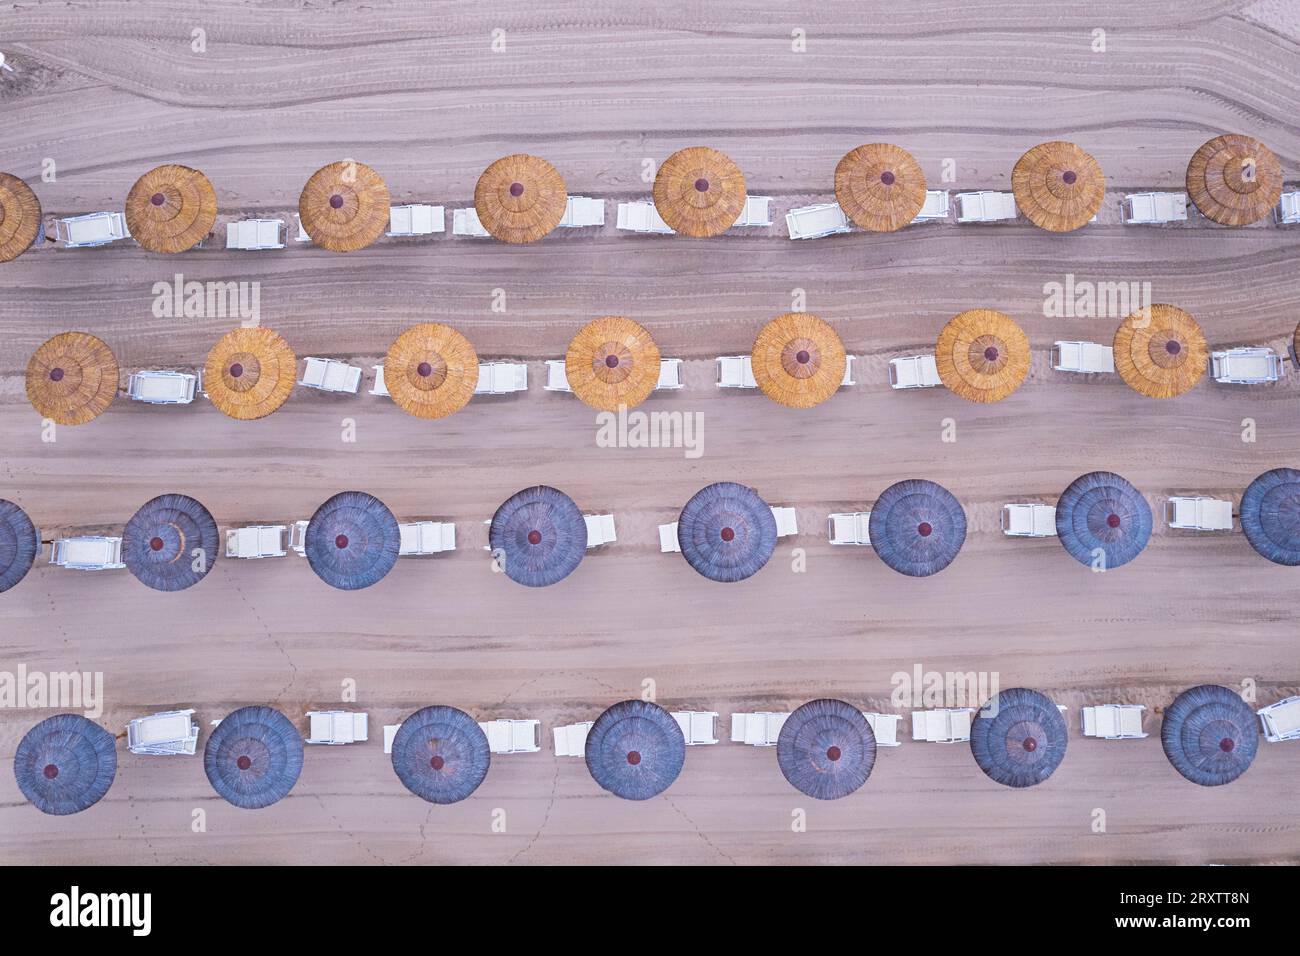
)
(1112, 521)
(56, 375)
(701, 185)
(534, 537)
(833, 753)
(802, 357)
(243, 763)
(728, 534)
(436, 762)
(611, 361)
(336, 201)
(155, 544)
(157, 199)
(887, 178)
(1030, 744)
(424, 370)
(1227, 744)
(924, 529)
(1172, 347)
(341, 541)
(236, 370)
(991, 354)
(633, 757)
(50, 771)
(1069, 176)
(516, 189)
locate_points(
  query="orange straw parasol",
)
(1234, 180)
(520, 198)
(431, 370)
(1160, 352)
(20, 217)
(880, 186)
(798, 360)
(344, 206)
(699, 192)
(982, 355)
(249, 373)
(612, 362)
(1058, 186)
(72, 378)
(171, 209)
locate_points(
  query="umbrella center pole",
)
(633, 757)
(50, 771)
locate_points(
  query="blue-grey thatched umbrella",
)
(826, 749)
(635, 750)
(65, 764)
(171, 543)
(441, 754)
(540, 536)
(1270, 515)
(20, 542)
(726, 531)
(352, 540)
(1101, 511)
(917, 527)
(253, 757)
(1209, 735)
(1019, 738)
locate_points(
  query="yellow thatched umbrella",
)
(250, 373)
(982, 355)
(1234, 179)
(798, 360)
(1160, 351)
(431, 370)
(880, 186)
(1058, 186)
(72, 378)
(611, 362)
(20, 217)
(171, 208)
(699, 192)
(344, 206)
(520, 198)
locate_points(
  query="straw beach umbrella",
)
(352, 541)
(1160, 351)
(253, 757)
(171, 543)
(539, 535)
(431, 370)
(917, 527)
(1058, 186)
(880, 186)
(726, 532)
(249, 373)
(72, 378)
(798, 360)
(635, 750)
(441, 754)
(826, 749)
(171, 209)
(20, 543)
(1210, 735)
(699, 192)
(1234, 180)
(20, 217)
(344, 206)
(520, 198)
(1270, 515)
(1102, 516)
(1020, 739)
(982, 355)
(65, 764)
(612, 362)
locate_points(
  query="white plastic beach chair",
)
(557, 377)
(948, 725)
(1113, 721)
(303, 235)
(513, 736)
(885, 727)
(5, 67)
(426, 537)
(600, 530)
(298, 538)
(736, 371)
(668, 542)
(985, 206)
(786, 524)
(699, 727)
(641, 216)
(914, 371)
(171, 732)
(759, 729)
(757, 212)
(390, 731)
(464, 222)
(87, 553)
(92, 229)
(581, 211)
(814, 222)
(501, 378)
(337, 727)
(416, 219)
(1246, 366)
(1083, 357)
(1199, 513)
(1281, 721)
(256, 541)
(250, 234)
(1154, 209)
(160, 387)
(1288, 209)
(670, 374)
(571, 739)
(331, 375)
(935, 208)
(850, 528)
(379, 388)
(1029, 521)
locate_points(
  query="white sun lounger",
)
(885, 727)
(757, 212)
(737, 371)
(670, 374)
(87, 553)
(5, 66)
(513, 736)
(945, 726)
(298, 538)
(331, 375)
(557, 377)
(1154, 209)
(699, 727)
(426, 537)
(1113, 721)
(379, 388)
(571, 739)
(668, 542)
(303, 235)
(786, 524)
(390, 731)
(759, 729)
(1288, 209)
(92, 229)
(252, 234)
(935, 208)
(1083, 357)
(337, 727)
(256, 541)
(914, 371)
(501, 378)
(1281, 721)
(416, 219)
(1199, 513)
(850, 528)
(161, 387)
(166, 734)
(464, 222)
(582, 211)
(1029, 521)
(641, 216)
(1246, 366)
(815, 222)
(985, 206)
(600, 530)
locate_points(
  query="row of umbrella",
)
(726, 532)
(634, 750)
(698, 191)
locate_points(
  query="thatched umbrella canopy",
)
(635, 750)
(20, 543)
(253, 757)
(1102, 512)
(520, 198)
(1058, 186)
(982, 355)
(352, 541)
(431, 370)
(699, 192)
(1160, 351)
(65, 764)
(826, 749)
(441, 754)
(1270, 515)
(880, 186)
(917, 527)
(1234, 180)
(344, 206)
(171, 543)
(1019, 738)
(540, 536)
(20, 217)
(798, 360)
(1210, 735)
(612, 362)
(72, 378)
(250, 373)
(171, 209)
(726, 531)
